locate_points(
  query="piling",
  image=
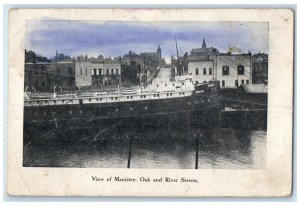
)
(197, 151)
(129, 151)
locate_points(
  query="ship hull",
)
(195, 110)
(90, 112)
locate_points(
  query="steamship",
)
(177, 96)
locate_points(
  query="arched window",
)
(95, 71)
(204, 71)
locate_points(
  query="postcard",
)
(157, 102)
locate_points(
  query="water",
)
(157, 148)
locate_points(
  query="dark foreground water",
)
(151, 148)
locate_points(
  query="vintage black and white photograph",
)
(150, 102)
(172, 95)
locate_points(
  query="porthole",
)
(117, 110)
(131, 108)
(208, 100)
(70, 112)
(202, 101)
(189, 103)
(196, 102)
(146, 107)
(79, 112)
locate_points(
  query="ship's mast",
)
(178, 63)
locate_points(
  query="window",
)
(58, 70)
(196, 82)
(225, 70)
(197, 71)
(241, 70)
(100, 71)
(236, 83)
(204, 82)
(243, 82)
(157, 85)
(210, 71)
(247, 81)
(85, 70)
(223, 83)
(112, 71)
(204, 71)
(95, 71)
(70, 70)
(80, 70)
(117, 71)
(165, 85)
(107, 71)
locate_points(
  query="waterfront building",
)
(260, 68)
(83, 74)
(44, 76)
(208, 64)
(106, 72)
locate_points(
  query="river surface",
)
(162, 148)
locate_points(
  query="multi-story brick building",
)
(208, 64)
(260, 68)
(43, 77)
(107, 72)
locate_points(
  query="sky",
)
(113, 39)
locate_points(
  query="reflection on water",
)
(153, 148)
